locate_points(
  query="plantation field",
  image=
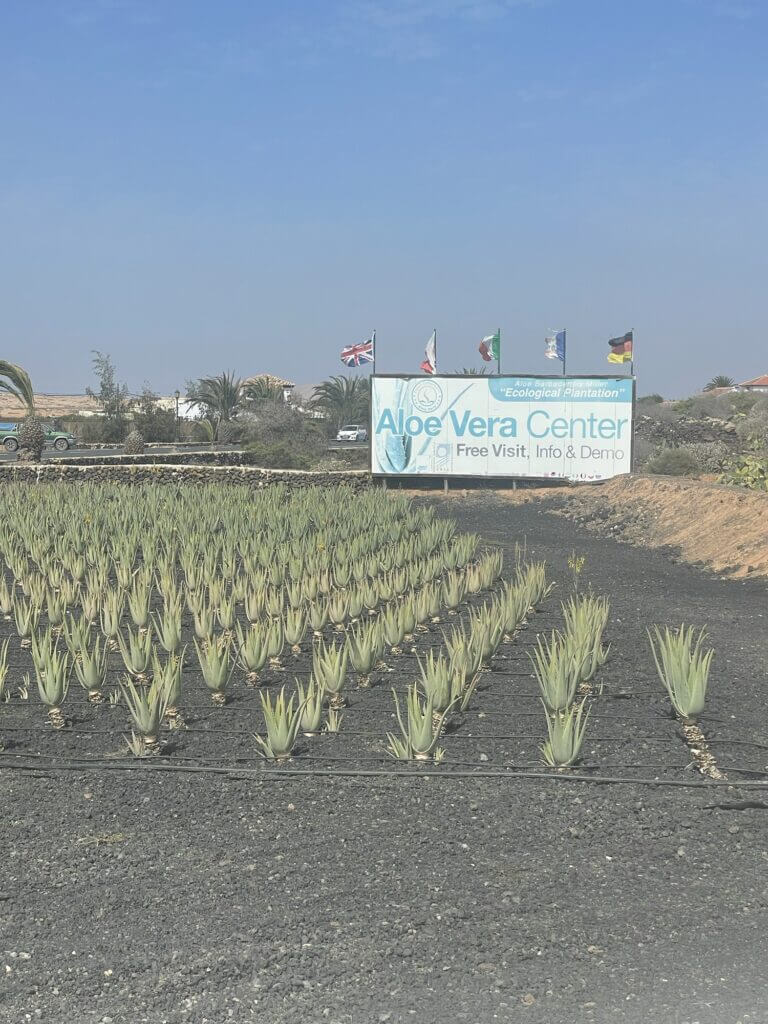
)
(202, 881)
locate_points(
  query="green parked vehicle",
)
(61, 440)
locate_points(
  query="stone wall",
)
(119, 472)
(205, 458)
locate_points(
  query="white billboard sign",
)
(572, 428)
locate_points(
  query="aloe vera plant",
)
(565, 736)
(6, 598)
(139, 600)
(329, 668)
(216, 668)
(56, 609)
(391, 625)
(311, 702)
(52, 675)
(4, 669)
(168, 676)
(25, 616)
(282, 719)
(454, 590)
(111, 611)
(147, 707)
(91, 670)
(683, 665)
(437, 683)
(136, 652)
(419, 730)
(557, 667)
(167, 625)
(363, 650)
(586, 617)
(252, 651)
(295, 626)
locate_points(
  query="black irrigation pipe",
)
(456, 734)
(285, 773)
(383, 757)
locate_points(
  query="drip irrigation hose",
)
(284, 773)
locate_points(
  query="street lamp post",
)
(177, 396)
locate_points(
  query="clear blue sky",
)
(195, 186)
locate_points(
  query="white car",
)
(352, 432)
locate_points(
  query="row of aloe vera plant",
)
(450, 675)
(152, 686)
(564, 665)
(286, 717)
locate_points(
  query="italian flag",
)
(489, 347)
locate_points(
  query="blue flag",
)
(554, 346)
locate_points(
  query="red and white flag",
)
(430, 355)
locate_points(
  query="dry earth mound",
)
(720, 527)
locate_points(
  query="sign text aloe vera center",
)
(539, 424)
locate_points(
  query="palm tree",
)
(720, 381)
(221, 397)
(261, 389)
(16, 382)
(470, 371)
(343, 399)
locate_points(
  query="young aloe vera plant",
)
(318, 616)
(683, 666)
(565, 736)
(362, 648)
(338, 609)
(139, 601)
(252, 651)
(168, 676)
(25, 616)
(4, 697)
(437, 683)
(283, 721)
(56, 609)
(147, 707)
(391, 625)
(311, 701)
(111, 611)
(419, 733)
(216, 668)
(91, 670)
(557, 667)
(136, 652)
(77, 634)
(275, 641)
(6, 598)
(454, 590)
(168, 628)
(295, 626)
(329, 668)
(586, 617)
(52, 683)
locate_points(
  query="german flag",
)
(621, 349)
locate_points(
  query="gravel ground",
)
(150, 895)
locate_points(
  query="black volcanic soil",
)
(146, 892)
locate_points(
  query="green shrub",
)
(278, 455)
(673, 462)
(747, 471)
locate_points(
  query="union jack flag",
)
(354, 355)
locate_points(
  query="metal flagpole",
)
(498, 360)
(434, 334)
(374, 353)
(565, 350)
(632, 360)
